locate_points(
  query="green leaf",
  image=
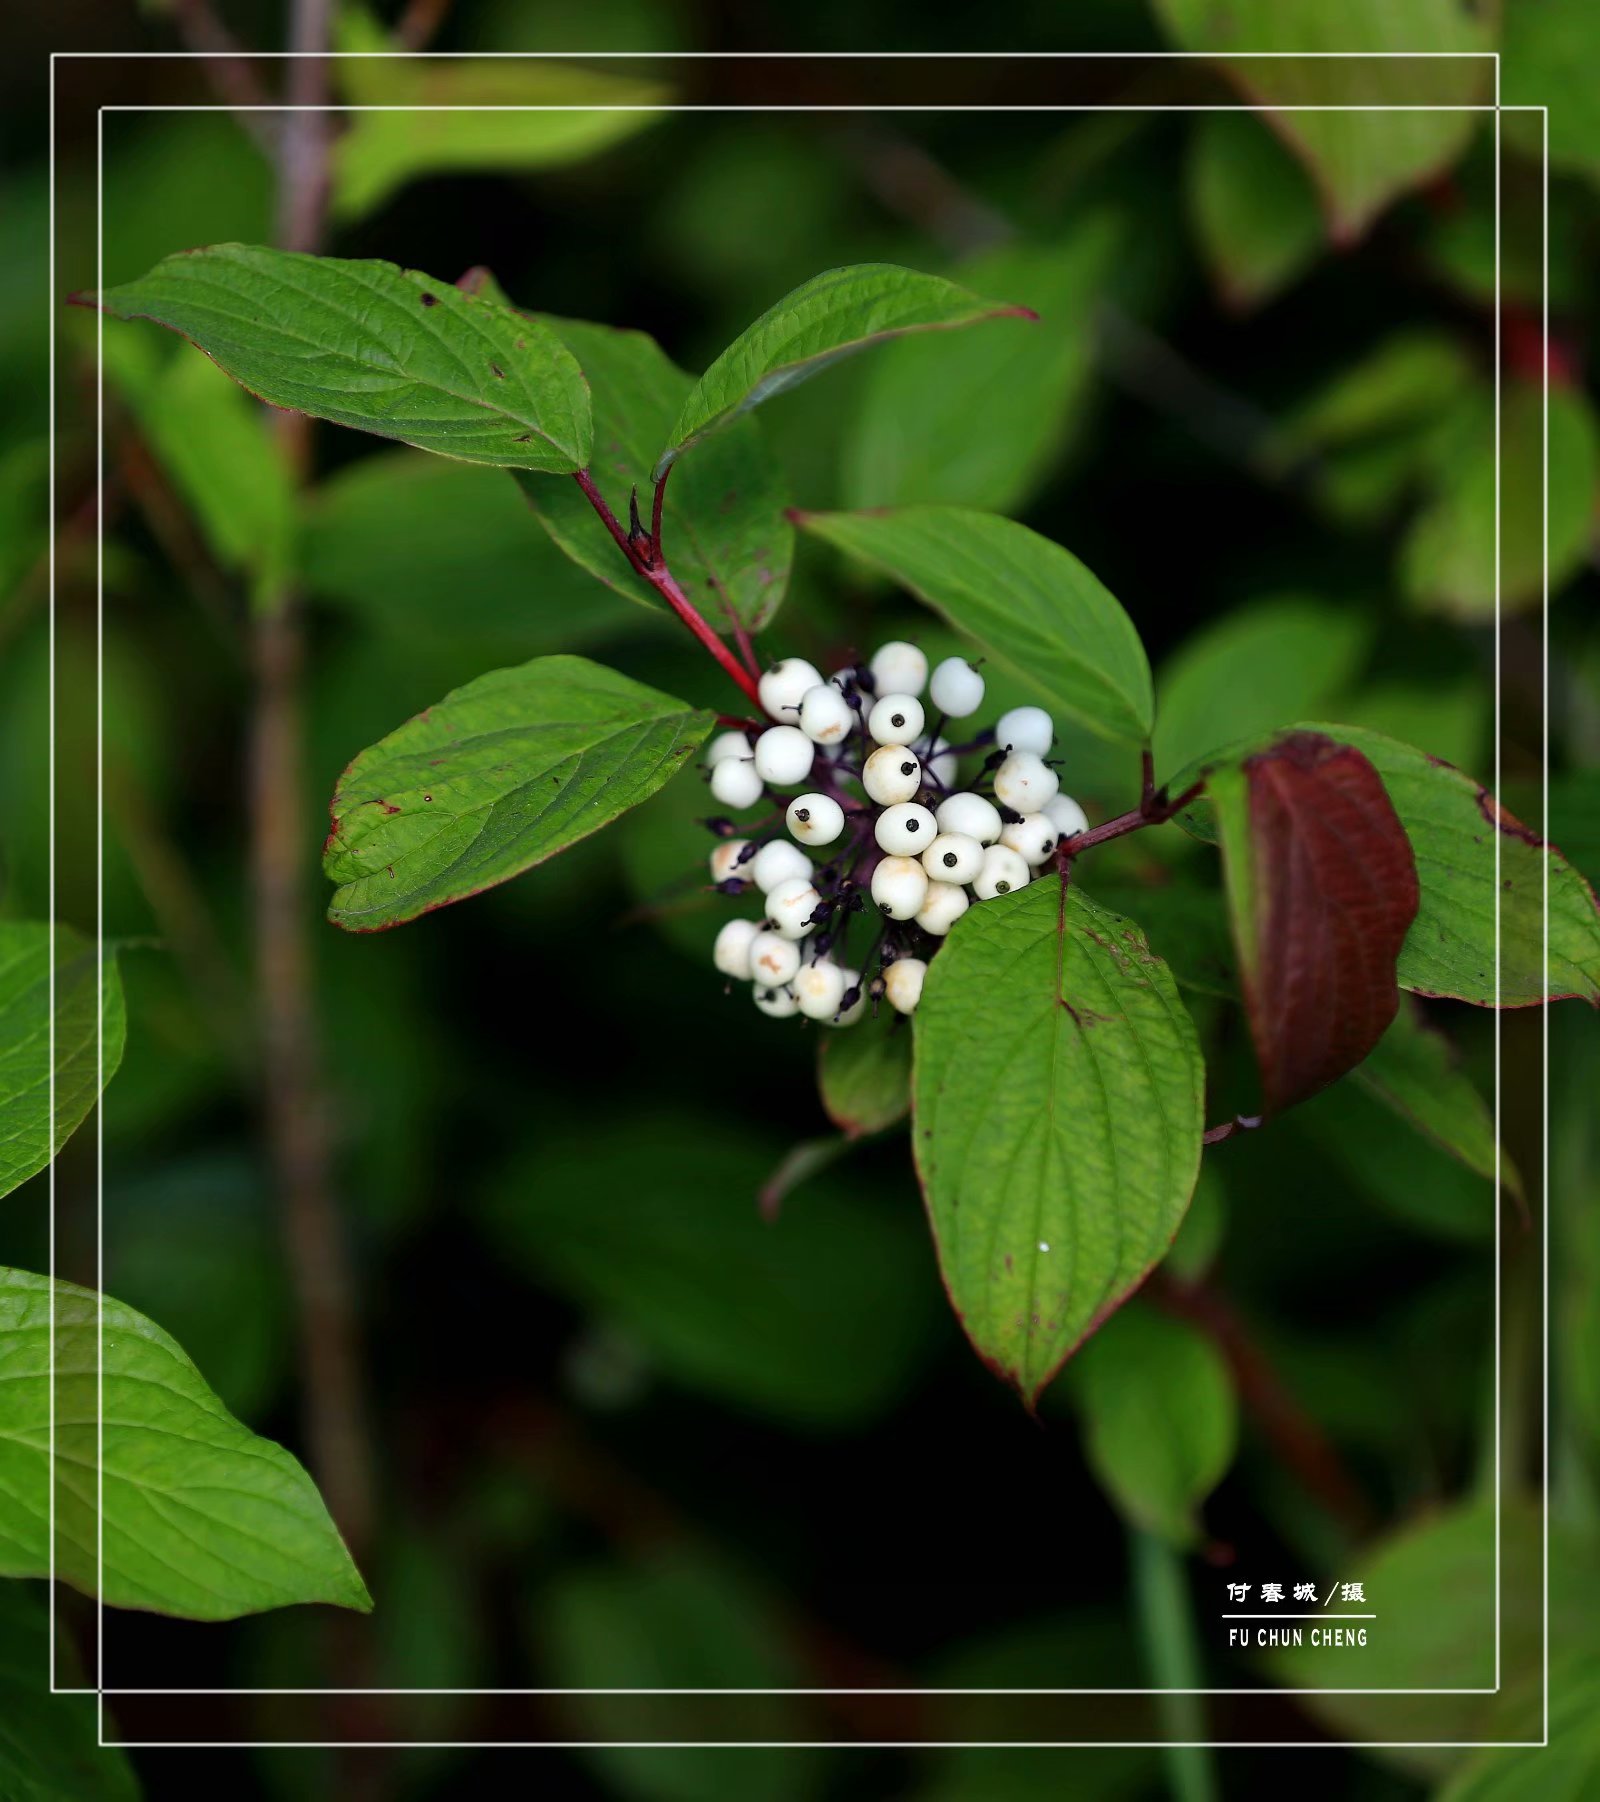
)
(90, 1029)
(210, 438)
(725, 528)
(379, 348)
(1414, 1070)
(1253, 209)
(1561, 1766)
(1159, 1418)
(1057, 1095)
(495, 778)
(1548, 51)
(562, 115)
(833, 315)
(1391, 390)
(49, 1744)
(979, 419)
(202, 1518)
(864, 1076)
(1456, 826)
(1260, 664)
(1187, 925)
(1362, 159)
(1027, 602)
(1449, 558)
(819, 1317)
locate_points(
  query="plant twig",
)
(1165, 1611)
(228, 68)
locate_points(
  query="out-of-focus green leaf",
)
(1249, 671)
(1159, 1418)
(90, 1028)
(211, 440)
(377, 348)
(1027, 602)
(437, 552)
(1448, 561)
(202, 1518)
(1390, 390)
(1547, 52)
(724, 528)
(507, 114)
(494, 779)
(49, 1744)
(1363, 158)
(864, 1075)
(1195, 1248)
(1448, 715)
(978, 420)
(818, 1317)
(833, 315)
(1254, 211)
(1057, 1092)
(1414, 1070)
(1561, 1765)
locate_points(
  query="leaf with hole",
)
(375, 347)
(832, 316)
(201, 1518)
(492, 780)
(1057, 1089)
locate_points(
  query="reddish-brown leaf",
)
(1323, 887)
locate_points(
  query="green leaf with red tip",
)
(824, 320)
(495, 778)
(864, 1075)
(1322, 889)
(1057, 1097)
(375, 347)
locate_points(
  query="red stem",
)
(660, 579)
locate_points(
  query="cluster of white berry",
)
(881, 793)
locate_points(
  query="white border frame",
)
(100, 1690)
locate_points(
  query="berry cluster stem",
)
(644, 556)
(1154, 809)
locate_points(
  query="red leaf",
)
(1330, 894)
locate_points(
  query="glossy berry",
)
(1066, 816)
(1033, 838)
(902, 983)
(1025, 729)
(953, 857)
(900, 886)
(896, 720)
(899, 668)
(735, 783)
(825, 715)
(783, 756)
(820, 988)
(944, 904)
(1025, 782)
(815, 819)
(773, 959)
(726, 744)
(973, 816)
(790, 907)
(780, 1001)
(891, 774)
(1003, 873)
(731, 953)
(728, 859)
(956, 688)
(905, 830)
(778, 862)
(784, 687)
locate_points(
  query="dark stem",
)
(1154, 809)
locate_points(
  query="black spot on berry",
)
(897, 719)
(429, 300)
(950, 860)
(913, 825)
(1002, 888)
(803, 815)
(906, 769)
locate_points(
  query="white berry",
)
(783, 756)
(1002, 872)
(726, 859)
(785, 686)
(773, 959)
(790, 907)
(973, 816)
(1025, 729)
(902, 983)
(731, 953)
(891, 774)
(905, 830)
(956, 688)
(735, 783)
(896, 720)
(946, 902)
(1025, 782)
(852, 980)
(899, 668)
(1033, 838)
(825, 715)
(1066, 816)
(726, 744)
(953, 857)
(778, 862)
(780, 1002)
(820, 988)
(900, 886)
(815, 819)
